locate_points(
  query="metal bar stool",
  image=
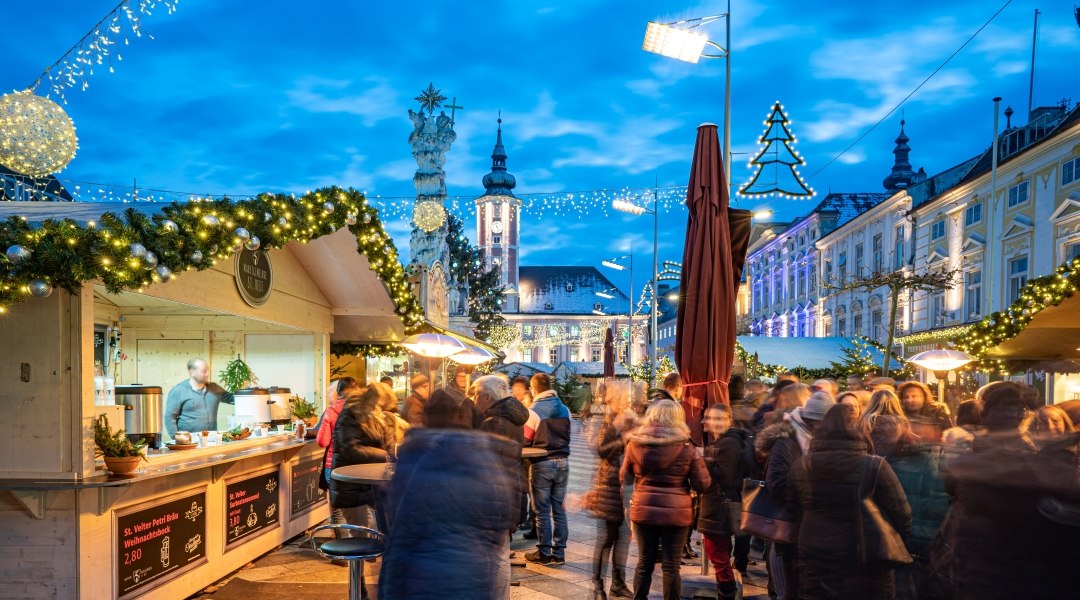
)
(356, 550)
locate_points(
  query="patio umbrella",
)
(716, 241)
(609, 355)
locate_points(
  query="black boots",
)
(598, 590)
(619, 590)
(688, 552)
(727, 590)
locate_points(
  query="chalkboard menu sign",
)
(156, 543)
(305, 486)
(252, 506)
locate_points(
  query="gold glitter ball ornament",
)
(429, 215)
(37, 137)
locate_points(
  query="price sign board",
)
(157, 542)
(305, 486)
(251, 506)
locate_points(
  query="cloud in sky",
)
(228, 98)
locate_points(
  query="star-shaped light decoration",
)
(430, 99)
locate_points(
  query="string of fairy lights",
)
(100, 48)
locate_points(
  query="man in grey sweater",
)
(192, 404)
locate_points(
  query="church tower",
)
(498, 226)
(901, 175)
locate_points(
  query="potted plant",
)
(121, 455)
(305, 411)
(237, 375)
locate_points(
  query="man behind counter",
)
(193, 404)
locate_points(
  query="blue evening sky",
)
(242, 97)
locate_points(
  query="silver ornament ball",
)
(161, 274)
(328, 207)
(149, 261)
(241, 234)
(137, 250)
(196, 256)
(350, 219)
(17, 254)
(210, 221)
(170, 226)
(282, 221)
(39, 288)
(266, 217)
(253, 244)
(367, 218)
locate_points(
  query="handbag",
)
(879, 542)
(764, 517)
(731, 517)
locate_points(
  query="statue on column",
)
(430, 140)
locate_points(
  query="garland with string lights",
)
(131, 250)
(777, 150)
(368, 350)
(1039, 293)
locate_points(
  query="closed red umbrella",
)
(716, 242)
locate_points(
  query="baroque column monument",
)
(431, 139)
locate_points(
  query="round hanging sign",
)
(254, 276)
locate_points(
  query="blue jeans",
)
(549, 480)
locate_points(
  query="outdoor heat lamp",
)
(433, 345)
(472, 357)
(680, 44)
(941, 361)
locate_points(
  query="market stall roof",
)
(791, 352)
(1053, 332)
(360, 303)
(588, 368)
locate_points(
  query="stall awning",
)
(809, 353)
(1053, 332)
(362, 308)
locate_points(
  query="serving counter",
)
(184, 520)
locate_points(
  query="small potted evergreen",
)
(122, 456)
(305, 411)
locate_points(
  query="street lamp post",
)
(629, 207)
(678, 40)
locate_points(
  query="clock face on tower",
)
(497, 227)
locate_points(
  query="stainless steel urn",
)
(143, 414)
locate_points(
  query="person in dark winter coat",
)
(608, 503)
(361, 436)
(414, 404)
(723, 459)
(502, 413)
(664, 467)
(825, 486)
(929, 419)
(452, 499)
(459, 390)
(919, 473)
(784, 443)
(1005, 538)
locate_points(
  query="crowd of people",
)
(986, 503)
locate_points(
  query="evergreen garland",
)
(193, 235)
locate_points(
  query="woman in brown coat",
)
(608, 498)
(663, 467)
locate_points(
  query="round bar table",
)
(375, 474)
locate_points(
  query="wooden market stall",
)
(184, 520)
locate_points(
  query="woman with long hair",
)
(788, 399)
(882, 402)
(335, 401)
(929, 418)
(608, 502)
(826, 485)
(664, 467)
(723, 459)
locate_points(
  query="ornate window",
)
(1018, 194)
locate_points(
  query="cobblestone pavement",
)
(294, 572)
